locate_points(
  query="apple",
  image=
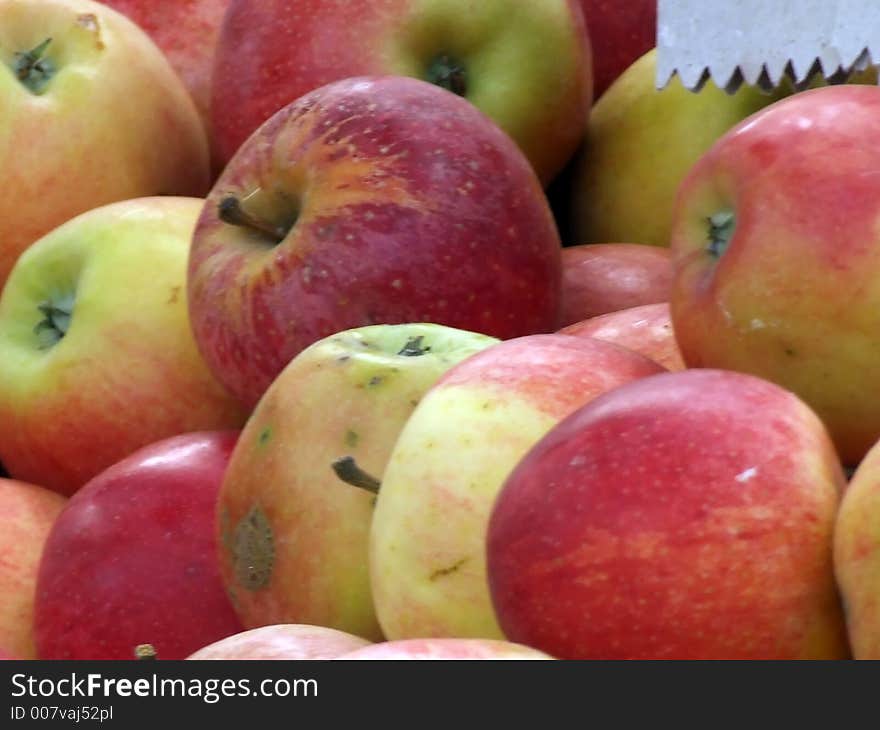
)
(368, 201)
(92, 114)
(683, 516)
(776, 251)
(294, 512)
(187, 32)
(646, 330)
(433, 649)
(132, 558)
(27, 513)
(620, 33)
(607, 277)
(427, 562)
(97, 357)
(525, 63)
(282, 642)
(640, 145)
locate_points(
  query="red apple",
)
(434, 649)
(369, 201)
(27, 513)
(776, 249)
(621, 31)
(132, 559)
(187, 32)
(282, 641)
(646, 330)
(525, 63)
(682, 516)
(607, 277)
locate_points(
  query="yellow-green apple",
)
(427, 562)
(433, 649)
(684, 516)
(525, 63)
(606, 277)
(646, 330)
(187, 32)
(132, 558)
(92, 114)
(620, 33)
(857, 556)
(295, 510)
(368, 201)
(96, 353)
(27, 513)
(281, 642)
(776, 251)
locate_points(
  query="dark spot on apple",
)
(343, 358)
(33, 69)
(789, 351)
(253, 550)
(175, 294)
(448, 73)
(376, 380)
(351, 438)
(264, 436)
(441, 572)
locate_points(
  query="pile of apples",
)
(428, 329)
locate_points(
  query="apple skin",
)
(281, 642)
(606, 277)
(27, 513)
(413, 207)
(683, 516)
(132, 558)
(346, 395)
(427, 562)
(620, 33)
(445, 649)
(527, 62)
(647, 330)
(128, 372)
(187, 32)
(792, 296)
(115, 123)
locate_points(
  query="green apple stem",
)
(230, 211)
(144, 652)
(446, 72)
(721, 227)
(413, 347)
(56, 321)
(348, 471)
(33, 70)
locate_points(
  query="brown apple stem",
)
(413, 347)
(230, 211)
(348, 471)
(144, 652)
(446, 72)
(32, 69)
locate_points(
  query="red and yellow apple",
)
(281, 642)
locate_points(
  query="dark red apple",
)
(132, 558)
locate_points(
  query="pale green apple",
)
(294, 534)
(427, 541)
(97, 358)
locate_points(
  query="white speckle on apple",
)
(746, 475)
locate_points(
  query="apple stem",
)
(413, 347)
(448, 74)
(143, 652)
(348, 471)
(55, 323)
(230, 211)
(721, 227)
(32, 69)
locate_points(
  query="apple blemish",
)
(253, 550)
(721, 227)
(57, 315)
(33, 69)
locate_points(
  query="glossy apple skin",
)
(607, 277)
(115, 123)
(282, 642)
(647, 330)
(27, 513)
(414, 208)
(620, 33)
(132, 559)
(794, 297)
(528, 62)
(128, 371)
(427, 539)
(187, 32)
(683, 516)
(445, 648)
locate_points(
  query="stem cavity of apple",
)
(447, 73)
(721, 227)
(414, 347)
(347, 469)
(57, 315)
(33, 70)
(230, 211)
